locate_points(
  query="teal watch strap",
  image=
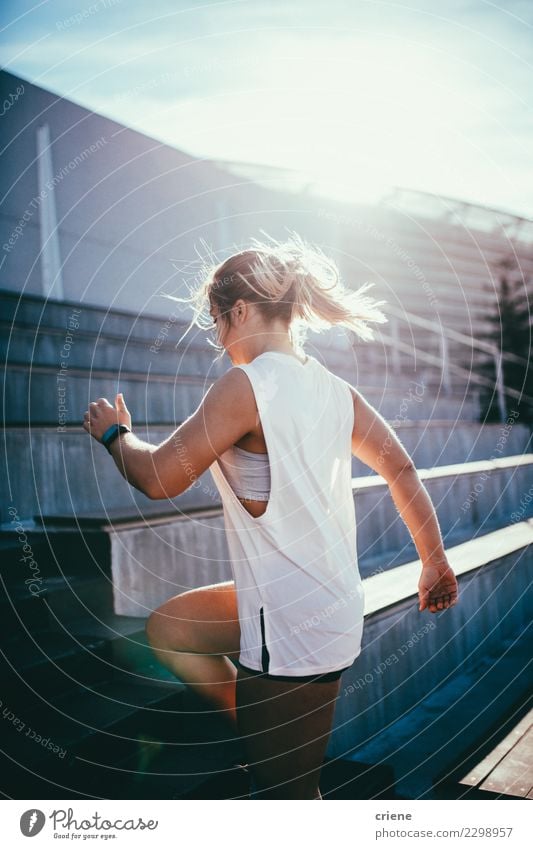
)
(112, 432)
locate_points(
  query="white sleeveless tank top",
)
(299, 591)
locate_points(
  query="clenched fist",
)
(437, 587)
(101, 415)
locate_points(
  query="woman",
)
(278, 431)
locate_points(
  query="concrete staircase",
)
(431, 748)
(430, 691)
(498, 768)
(87, 712)
(86, 709)
(81, 680)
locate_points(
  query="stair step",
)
(500, 766)
(23, 782)
(48, 662)
(63, 598)
(339, 779)
(123, 740)
(182, 747)
(171, 769)
(87, 553)
(99, 348)
(348, 779)
(426, 742)
(100, 716)
(43, 664)
(128, 647)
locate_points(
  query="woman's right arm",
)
(376, 444)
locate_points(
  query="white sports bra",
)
(248, 473)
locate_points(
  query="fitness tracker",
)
(112, 432)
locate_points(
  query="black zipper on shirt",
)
(265, 657)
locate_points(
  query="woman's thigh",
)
(203, 620)
(285, 727)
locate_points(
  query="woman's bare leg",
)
(194, 634)
(285, 728)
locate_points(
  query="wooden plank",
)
(513, 775)
(484, 767)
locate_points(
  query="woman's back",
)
(295, 566)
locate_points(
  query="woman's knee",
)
(203, 620)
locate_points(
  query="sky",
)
(357, 95)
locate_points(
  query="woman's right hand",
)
(437, 587)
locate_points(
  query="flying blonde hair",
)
(293, 281)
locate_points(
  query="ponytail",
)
(293, 281)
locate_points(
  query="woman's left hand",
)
(101, 415)
(437, 587)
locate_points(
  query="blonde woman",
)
(278, 431)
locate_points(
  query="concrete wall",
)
(50, 473)
(155, 560)
(150, 565)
